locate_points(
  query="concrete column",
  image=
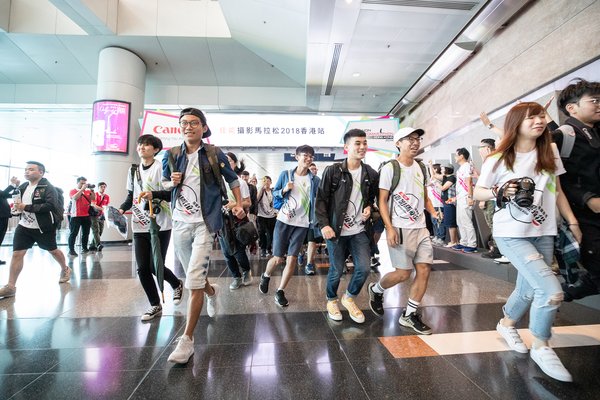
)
(121, 76)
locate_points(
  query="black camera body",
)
(525, 192)
(524, 195)
(91, 186)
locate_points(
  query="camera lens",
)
(91, 186)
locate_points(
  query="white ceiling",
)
(273, 55)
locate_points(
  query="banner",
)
(254, 130)
(110, 126)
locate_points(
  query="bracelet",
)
(490, 126)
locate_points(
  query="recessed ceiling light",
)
(349, 1)
(356, 74)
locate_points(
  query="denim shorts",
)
(288, 239)
(193, 244)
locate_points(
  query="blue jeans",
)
(439, 230)
(359, 246)
(537, 289)
(235, 259)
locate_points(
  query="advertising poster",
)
(380, 132)
(110, 126)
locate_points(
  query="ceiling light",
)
(356, 74)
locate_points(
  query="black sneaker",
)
(414, 322)
(178, 293)
(85, 251)
(375, 300)
(280, 299)
(72, 253)
(491, 254)
(263, 287)
(100, 247)
(152, 312)
(93, 248)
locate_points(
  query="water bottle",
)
(16, 196)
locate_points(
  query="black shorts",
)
(310, 237)
(25, 238)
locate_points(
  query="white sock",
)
(411, 307)
(378, 288)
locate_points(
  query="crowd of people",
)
(348, 208)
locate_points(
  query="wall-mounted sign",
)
(110, 126)
(380, 132)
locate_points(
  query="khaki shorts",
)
(415, 248)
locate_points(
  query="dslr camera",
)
(91, 186)
(524, 195)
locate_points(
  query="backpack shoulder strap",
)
(424, 169)
(397, 173)
(135, 174)
(211, 153)
(568, 134)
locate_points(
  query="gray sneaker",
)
(247, 277)
(236, 283)
(7, 291)
(65, 275)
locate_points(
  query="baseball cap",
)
(197, 113)
(404, 132)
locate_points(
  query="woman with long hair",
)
(522, 174)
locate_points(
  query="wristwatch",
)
(490, 126)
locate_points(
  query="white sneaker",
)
(183, 351)
(512, 338)
(65, 275)
(549, 362)
(211, 302)
(501, 260)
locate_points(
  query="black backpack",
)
(59, 207)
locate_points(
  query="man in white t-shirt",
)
(402, 211)
(464, 203)
(196, 201)
(343, 208)
(296, 189)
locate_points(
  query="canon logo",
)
(166, 129)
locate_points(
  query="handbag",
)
(92, 212)
(245, 232)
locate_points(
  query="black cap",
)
(199, 114)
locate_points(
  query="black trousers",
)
(85, 223)
(590, 250)
(3, 228)
(145, 264)
(266, 226)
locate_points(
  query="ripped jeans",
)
(537, 288)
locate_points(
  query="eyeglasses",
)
(304, 155)
(595, 101)
(417, 139)
(193, 124)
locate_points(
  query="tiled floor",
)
(85, 340)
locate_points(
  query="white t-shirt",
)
(407, 202)
(540, 218)
(296, 206)
(151, 181)
(187, 205)
(265, 205)
(28, 219)
(244, 190)
(464, 172)
(353, 221)
(434, 193)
